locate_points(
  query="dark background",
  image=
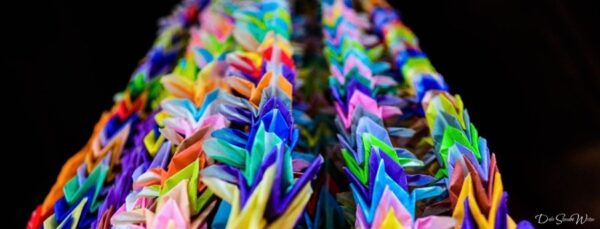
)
(528, 72)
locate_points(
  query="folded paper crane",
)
(243, 115)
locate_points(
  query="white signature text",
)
(560, 218)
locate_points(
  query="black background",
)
(528, 72)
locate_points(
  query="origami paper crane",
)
(266, 114)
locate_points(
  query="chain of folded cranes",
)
(242, 116)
